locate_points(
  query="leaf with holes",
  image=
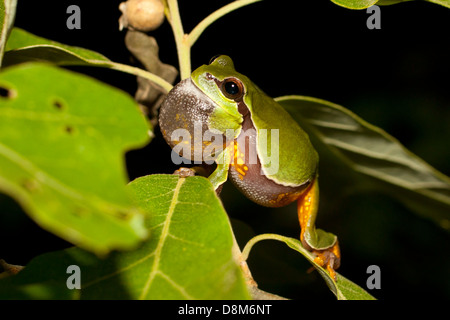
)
(62, 143)
(360, 154)
(188, 256)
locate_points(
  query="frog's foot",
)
(330, 259)
(201, 170)
(184, 172)
(324, 245)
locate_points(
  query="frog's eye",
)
(232, 88)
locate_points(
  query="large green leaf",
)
(188, 256)
(7, 13)
(62, 143)
(363, 4)
(343, 288)
(357, 146)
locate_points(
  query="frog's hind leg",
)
(322, 244)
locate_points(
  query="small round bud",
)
(142, 15)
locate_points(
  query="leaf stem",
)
(198, 30)
(266, 236)
(163, 84)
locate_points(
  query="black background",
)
(395, 78)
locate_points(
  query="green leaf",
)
(355, 4)
(7, 13)
(343, 288)
(62, 143)
(445, 3)
(23, 46)
(188, 256)
(390, 2)
(352, 144)
(363, 4)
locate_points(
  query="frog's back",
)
(297, 157)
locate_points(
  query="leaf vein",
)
(175, 285)
(186, 241)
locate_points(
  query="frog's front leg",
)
(323, 245)
(223, 161)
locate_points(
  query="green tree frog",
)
(220, 116)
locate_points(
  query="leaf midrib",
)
(162, 239)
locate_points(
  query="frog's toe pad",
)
(330, 259)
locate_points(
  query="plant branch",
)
(183, 41)
(198, 30)
(183, 48)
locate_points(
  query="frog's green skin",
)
(207, 98)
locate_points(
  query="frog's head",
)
(207, 103)
(221, 82)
